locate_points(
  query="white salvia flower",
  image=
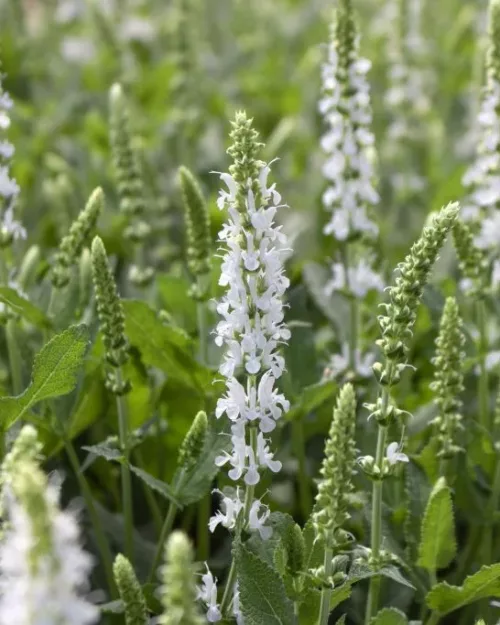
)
(339, 363)
(348, 142)
(252, 329)
(394, 455)
(359, 281)
(236, 606)
(207, 593)
(40, 576)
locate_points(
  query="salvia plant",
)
(249, 338)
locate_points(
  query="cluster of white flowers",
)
(207, 593)
(37, 586)
(9, 189)
(252, 330)
(357, 281)
(339, 364)
(410, 80)
(348, 142)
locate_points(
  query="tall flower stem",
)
(249, 495)
(100, 536)
(353, 311)
(123, 431)
(326, 593)
(483, 387)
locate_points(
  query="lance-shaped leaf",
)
(438, 545)
(164, 489)
(444, 598)
(262, 592)
(55, 373)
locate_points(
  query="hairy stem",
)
(326, 593)
(123, 431)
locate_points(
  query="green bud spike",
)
(179, 586)
(72, 244)
(473, 262)
(448, 379)
(330, 510)
(344, 35)
(193, 443)
(244, 151)
(493, 58)
(26, 447)
(401, 311)
(125, 160)
(109, 310)
(197, 224)
(130, 590)
(295, 549)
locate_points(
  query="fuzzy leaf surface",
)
(389, 616)
(55, 373)
(485, 583)
(438, 544)
(262, 592)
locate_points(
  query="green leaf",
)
(309, 607)
(389, 616)
(55, 373)
(164, 489)
(104, 451)
(24, 308)
(311, 398)
(262, 592)
(438, 545)
(485, 583)
(162, 346)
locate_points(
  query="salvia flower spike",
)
(252, 328)
(73, 243)
(136, 612)
(130, 185)
(335, 485)
(448, 383)
(197, 225)
(110, 311)
(10, 229)
(178, 592)
(41, 561)
(192, 445)
(473, 262)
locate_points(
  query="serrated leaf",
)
(444, 598)
(438, 545)
(24, 308)
(262, 592)
(164, 489)
(389, 616)
(361, 571)
(162, 346)
(55, 373)
(104, 451)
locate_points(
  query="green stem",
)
(102, 543)
(165, 531)
(376, 530)
(14, 357)
(249, 495)
(203, 540)
(433, 619)
(123, 431)
(353, 310)
(326, 593)
(483, 371)
(299, 450)
(149, 495)
(202, 332)
(493, 508)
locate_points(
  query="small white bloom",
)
(359, 281)
(232, 508)
(339, 363)
(394, 455)
(257, 523)
(208, 594)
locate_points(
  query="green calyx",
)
(404, 297)
(73, 243)
(194, 441)
(178, 591)
(197, 224)
(136, 612)
(448, 379)
(126, 163)
(493, 58)
(335, 485)
(244, 150)
(110, 312)
(472, 261)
